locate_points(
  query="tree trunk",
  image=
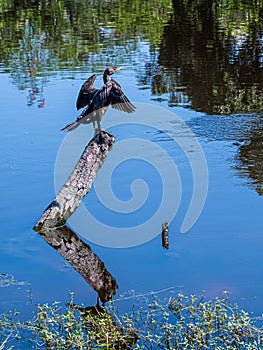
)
(78, 184)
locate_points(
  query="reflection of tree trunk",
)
(78, 183)
(118, 336)
(82, 258)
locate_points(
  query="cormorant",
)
(97, 101)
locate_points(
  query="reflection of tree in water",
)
(209, 53)
(244, 131)
(214, 62)
(29, 64)
(211, 59)
(41, 38)
(250, 158)
(74, 30)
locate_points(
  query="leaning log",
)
(78, 184)
(84, 261)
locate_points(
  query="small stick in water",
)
(165, 238)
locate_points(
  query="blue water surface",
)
(221, 251)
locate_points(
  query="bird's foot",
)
(97, 130)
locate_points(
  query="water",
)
(202, 66)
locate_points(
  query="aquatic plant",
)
(175, 322)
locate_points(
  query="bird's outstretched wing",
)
(97, 101)
(118, 100)
(86, 93)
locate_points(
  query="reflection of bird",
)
(97, 101)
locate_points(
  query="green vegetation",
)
(179, 322)
(206, 55)
(213, 51)
(68, 31)
(42, 38)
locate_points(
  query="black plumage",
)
(86, 93)
(97, 101)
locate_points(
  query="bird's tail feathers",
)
(70, 126)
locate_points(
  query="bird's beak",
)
(117, 69)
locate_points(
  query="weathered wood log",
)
(165, 237)
(81, 257)
(78, 184)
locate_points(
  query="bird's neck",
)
(106, 78)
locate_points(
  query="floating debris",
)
(7, 280)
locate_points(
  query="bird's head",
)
(109, 71)
(112, 70)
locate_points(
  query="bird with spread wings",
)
(96, 101)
